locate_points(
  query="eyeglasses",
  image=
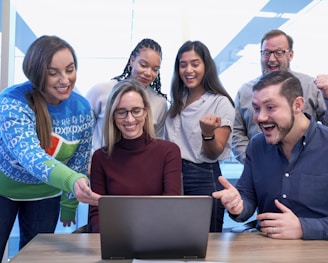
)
(136, 112)
(277, 53)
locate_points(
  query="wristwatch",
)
(208, 138)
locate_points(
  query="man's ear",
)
(298, 105)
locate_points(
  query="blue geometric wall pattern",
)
(254, 30)
(24, 35)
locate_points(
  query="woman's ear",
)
(131, 60)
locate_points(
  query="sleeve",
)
(240, 139)
(172, 170)
(322, 112)
(160, 126)
(315, 102)
(18, 132)
(97, 97)
(93, 96)
(79, 163)
(68, 204)
(314, 228)
(246, 189)
(98, 185)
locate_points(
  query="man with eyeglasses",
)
(276, 54)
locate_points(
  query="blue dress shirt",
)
(301, 184)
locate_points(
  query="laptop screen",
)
(154, 227)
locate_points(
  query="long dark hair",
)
(210, 81)
(35, 64)
(144, 43)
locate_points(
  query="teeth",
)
(267, 125)
(62, 89)
(190, 77)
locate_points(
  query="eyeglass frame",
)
(126, 112)
(274, 52)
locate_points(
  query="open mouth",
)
(267, 127)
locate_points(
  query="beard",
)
(282, 132)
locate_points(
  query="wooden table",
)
(222, 247)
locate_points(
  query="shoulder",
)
(152, 94)
(249, 85)
(157, 102)
(16, 92)
(101, 88)
(218, 101)
(302, 75)
(77, 98)
(168, 145)
(304, 78)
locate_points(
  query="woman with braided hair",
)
(143, 65)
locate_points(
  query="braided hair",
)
(144, 43)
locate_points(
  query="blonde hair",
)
(111, 133)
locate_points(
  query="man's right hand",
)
(229, 197)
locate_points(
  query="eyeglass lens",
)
(123, 113)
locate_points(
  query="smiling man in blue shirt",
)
(285, 174)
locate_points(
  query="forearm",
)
(213, 148)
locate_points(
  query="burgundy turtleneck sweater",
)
(141, 166)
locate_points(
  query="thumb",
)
(281, 207)
(226, 185)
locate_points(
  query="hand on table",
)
(285, 225)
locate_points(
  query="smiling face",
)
(191, 69)
(273, 114)
(145, 66)
(274, 63)
(61, 77)
(130, 126)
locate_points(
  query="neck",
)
(193, 95)
(300, 126)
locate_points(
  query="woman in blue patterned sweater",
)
(45, 143)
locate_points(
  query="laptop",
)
(154, 227)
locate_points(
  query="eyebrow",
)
(193, 60)
(266, 101)
(69, 65)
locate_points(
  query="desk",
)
(222, 247)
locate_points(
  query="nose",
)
(272, 57)
(64, 79)
(147, 71)
(188, 68)
(129, 116)
(260, 116)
